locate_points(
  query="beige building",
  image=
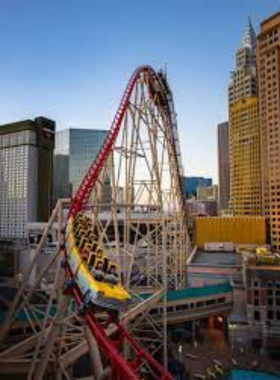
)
(269, 96)
(245, 172)
(207, 193)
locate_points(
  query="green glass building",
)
(75, 150)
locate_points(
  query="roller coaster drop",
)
(141, 230)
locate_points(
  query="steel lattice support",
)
(145, 215)
(133, 193)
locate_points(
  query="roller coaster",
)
(146, 222)
(96, 276)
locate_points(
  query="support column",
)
(94, 354)
(51, 338)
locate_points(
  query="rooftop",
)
(209, 290)
(216, 258)
(269, 19)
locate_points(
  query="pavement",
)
(212, 347)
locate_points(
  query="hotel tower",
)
(245, 173)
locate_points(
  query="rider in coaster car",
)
(112, 275)
(98, 272)
(99, 252)
(84, 254)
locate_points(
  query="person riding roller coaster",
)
(112, 275)
(84, 254)
(98, 271)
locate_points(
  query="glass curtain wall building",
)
(75, 150)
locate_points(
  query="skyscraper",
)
(269, 96)
(224, 166)
(245, 173)
(75, 150)
(26, 169)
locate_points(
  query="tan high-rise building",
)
(245, 172)
(269, 96)
(224, 166)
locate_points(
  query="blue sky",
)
(70, 60)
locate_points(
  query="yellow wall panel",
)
(238, 230)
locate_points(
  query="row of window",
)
(17, 139)
(190, 306)
(266, 284)
(271, 315)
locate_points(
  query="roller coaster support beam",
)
(14, 305)
(82, 349)
(106, 375)
(20, 348)
(94, 354)
(51, 338)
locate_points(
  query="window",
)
(210, 302)
(154, 311)
(180, 307)
(270, 301)
(270, 314)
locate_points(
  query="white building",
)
(25, 174)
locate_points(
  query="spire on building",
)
(249, 38)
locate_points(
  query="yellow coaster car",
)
(95, 275)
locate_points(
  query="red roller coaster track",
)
(122, 368)
(90, 178)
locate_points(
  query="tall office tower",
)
(224, 166)
(269, 96)
(75, 150)
(26, 170)
(245, 173)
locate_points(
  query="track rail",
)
(84, 191)
(122, 369)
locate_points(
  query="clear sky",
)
(70, 60)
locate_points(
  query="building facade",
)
(269, 94)
(245, 172)
(192, 183)
(263, 301)
(224, 166)
(196, 207)
(207, 193)
(75, 150)
(26, 170)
